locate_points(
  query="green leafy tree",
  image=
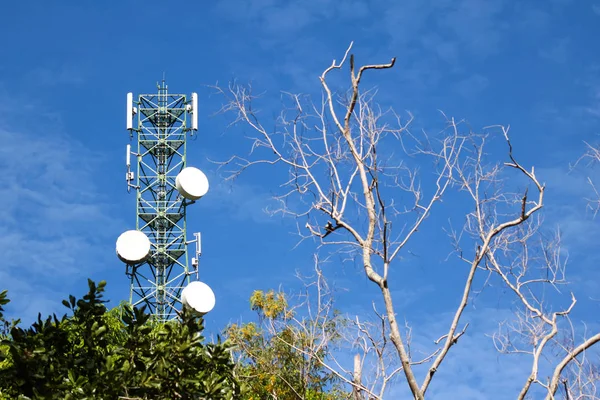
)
(282, 356)
(5, 327)
(98, 353)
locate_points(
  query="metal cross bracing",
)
(161, 211)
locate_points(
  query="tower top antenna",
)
(163, 84)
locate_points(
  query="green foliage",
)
(280, 356)
(269, 305)
(5, 326)
(104, 354)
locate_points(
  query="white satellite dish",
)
(199, 297)
(133, 247)
(191, 183)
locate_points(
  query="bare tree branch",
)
(348, 189)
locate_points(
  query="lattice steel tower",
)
(155, 253)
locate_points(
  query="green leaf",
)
(100, 331)
(98, 351)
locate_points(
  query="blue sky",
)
(66, 66)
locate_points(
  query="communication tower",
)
(155, 252)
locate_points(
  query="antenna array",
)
(155, 253)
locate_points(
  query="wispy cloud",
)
(593, 108)
(239, 201)
(52, 75)
(472, 86)
(431, 41)
(557, 51)
(278, 20)
(579, 116)
(54, 219)
(435, 37)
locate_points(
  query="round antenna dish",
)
(191, 183)
(133, 247)
(198, 296)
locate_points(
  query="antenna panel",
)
(198, 243)
(195, 111)
(129, 110)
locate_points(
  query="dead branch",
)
(344, 180)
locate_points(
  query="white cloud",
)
(56, 75)
(54, 219)
(557, 51)
(472, 86)
(240, 201)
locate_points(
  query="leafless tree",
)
(312, 313)
(590, 158)
(353, 165)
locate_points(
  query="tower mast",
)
(164, 188)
